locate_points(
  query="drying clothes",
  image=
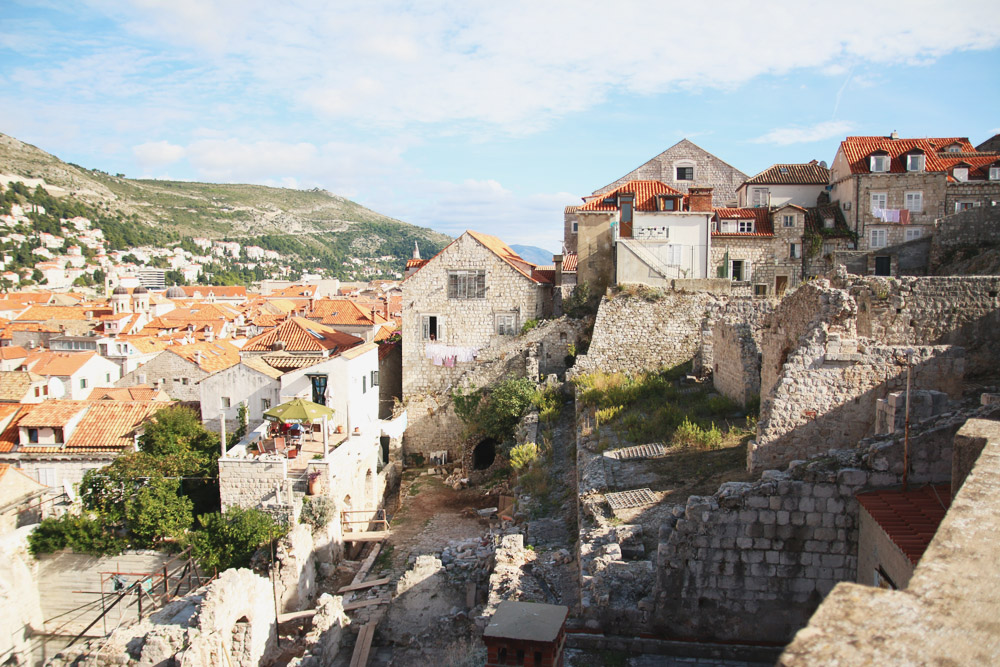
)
(904, 217)
(449, 362)
(892, 215)
(440, 354)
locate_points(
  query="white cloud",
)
(156, 154)
(802, 135)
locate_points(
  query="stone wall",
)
(20, 604)
(171, 373)
(905, 259)
(760, 252)
(596, 253)
(754, 560)
(895, 186)
(632, 334)
(733, 348)
(252, 482)
(971, 229)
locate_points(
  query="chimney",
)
(700, 200)
(386, 307)
(558, 260)
(894, 135)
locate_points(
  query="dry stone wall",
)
(972, 229)
(733, 348)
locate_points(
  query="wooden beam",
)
(296, 615)
(366, 603)
(363, 585)
(363, 646)
(366, 536)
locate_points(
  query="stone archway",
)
(484, 454)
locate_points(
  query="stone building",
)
(798, 184)
(892, 190)
(178, 369)
(685, 165)
(470, 296)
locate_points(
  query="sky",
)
(482, 115)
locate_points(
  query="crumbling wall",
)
(733, 348)
(325, 634)
(633, 334)
(20, 604)
(972, 230)
(754, 560)
(952, 310)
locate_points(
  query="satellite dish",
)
(823, 163)
(56, 388)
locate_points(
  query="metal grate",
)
(638, 451)
(625, 499)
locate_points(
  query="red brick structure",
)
(526, 633)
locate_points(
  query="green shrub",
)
(79, 533)
(495, 414)
(549, 401)
(528, 326)
(231, 539)
(317, 511)
(523, 455)
(690, 434)
(579, 304)
(158, 511)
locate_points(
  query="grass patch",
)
(384, 560)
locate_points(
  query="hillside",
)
(325, 229)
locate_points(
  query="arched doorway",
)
(484, 454)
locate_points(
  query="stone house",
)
(685, 165)
(57, 441)
(473, 294)
(656, 233)
(779, 184)
(894, 189)
(178, 369)
(742, 240)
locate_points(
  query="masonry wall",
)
(758, 251)
(980, 193)
(736, 366)
(932, 185)
(67, 469)
(251, 482)
(595, 248)
(632, 334)
(972, 229)
(467, 323)
(753, 561)
(168, 371)
(876, 550)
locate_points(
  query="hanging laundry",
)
(892, 215)
(904, 217)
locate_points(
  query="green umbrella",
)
(297, 411)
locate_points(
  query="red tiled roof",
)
(62, 364)
(760, 216)
(645, 196)
(416, 263)
(301, 335)
(139, 392)
(52, 413)
(858, 149)
(46, 313)
(570, 260)
(106, 426)
(344, 311)
(294, 292)
(979, 164)
(810, 173)
(202, 291)
(13, 352)
(498, 248)
(209, 356)
(909, 518)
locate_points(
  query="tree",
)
(108, 490)
(178, 430)
(495, 414)
(231, 539)
(158, 511)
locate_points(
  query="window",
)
(685, 173)
(224, 402)
(364, 384)
(374, 378)
(674, 255)
(575, 226)
(794, 250)
(953, 148)
(961, 174)
(46, 476)
(33, 435)
(760, 290)
(38, 392)
(915, 162)
(142, 378)
(627, 204)
(915, 202)
(788, 220)
(828, 223)
(430, 327)
(760, 197)
(83, 383)
(879, 200)
(995, 173)
(506, 324)
(57, 435)
(739, 269)
(467, 284)
(745, 226)
(184, 381)
(880, 163)
(265, 404)
(914, 233)
(877, 238)
(963, 205)
(107, 377)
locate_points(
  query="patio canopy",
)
(298, 411)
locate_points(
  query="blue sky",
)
(482, 115)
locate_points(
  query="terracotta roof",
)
(295, 292)
(13, 352)
(6, 468)
(909, 518)
(46, 313)
(27, 298)
(858, 149)
(32, 326)
(284, 361)
(139, 392)
(810, 173)
(570, 260)
(145, 344)
(208, 356)
(52, 413)
(416, 263)
(979, 164)
(761, 217)
(645, 196)
(261, 366)
(506, 253)
(385, 332)
(544, 275)
(14, 385)
(107, 426)
(62, 364)
(301, 335)
(344, 311)
(202, 291)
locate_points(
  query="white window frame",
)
(960, 174)
(879, 196)
(425, 324)
(788, 221)
(225, 403)
(881, 161)
(575, 226)
(505, 324)
(745, 277)
(674, 252)
(915, 162)
(745, 226)
(759, 197)
(913, 233)
(914, 201)
(878, 233)
(995, 173)
(794, 251)
(466, 284)
(964, 205)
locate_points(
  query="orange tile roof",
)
(14, 385)
(858, 149)
(385, 332)
(13, 352)
(416, 263)
(909, 518)
(506, 253)
(979, 164)
(107, 426)
(32, 326)
(27, 298)
(645, 196)
(52, 413)
(145, 344)
(570, 260)
(202, 291)
(46, 313)
(301, 335)
(62, 364)
(810, 173)
(343, 311)
(816, 215)
(209, 356)
(760, 216)
(295, 292)
(139, 392)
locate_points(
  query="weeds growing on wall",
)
(495, 413)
